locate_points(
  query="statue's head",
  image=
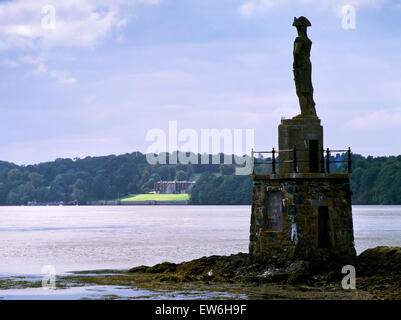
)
(301, 22)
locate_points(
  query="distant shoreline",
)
(152, 203)
(111, 203)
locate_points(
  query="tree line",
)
(375, 180)
(92, 178)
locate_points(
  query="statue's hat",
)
(301, 22)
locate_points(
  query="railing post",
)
(252, 162)
(349, 160)
(322, 160)
(295, 158)
(328, 160)
(273, 161)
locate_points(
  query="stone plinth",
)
(301, 216)
(306, 134)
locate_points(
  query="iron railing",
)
(325, 161)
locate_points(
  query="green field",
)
(157, 197)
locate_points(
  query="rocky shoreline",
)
(378, 275)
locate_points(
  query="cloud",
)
(89, 99)
(252, 7)
(35, 26)
(61, 77)
(10, 64)
(72, 23)
(381, 119)
(40, 68)
(52, 148)
(255, 59)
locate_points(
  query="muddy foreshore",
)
(378, 276)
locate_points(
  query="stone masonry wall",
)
(298, 237)
(298, 132)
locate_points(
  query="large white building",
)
(173, 186)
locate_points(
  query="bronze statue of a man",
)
(303, 69)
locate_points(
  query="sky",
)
(92, 77)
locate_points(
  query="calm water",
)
(120, 237)
(85, 238)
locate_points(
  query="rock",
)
(378, 272)
(381, 258)
(274, 275)
(297, 265)
(334, 276)
(140, 269)
(158, 268)
(298, 272)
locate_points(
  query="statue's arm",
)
(297, 47)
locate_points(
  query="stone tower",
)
(301, 210)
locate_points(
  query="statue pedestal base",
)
(306, 134)
(302, 218)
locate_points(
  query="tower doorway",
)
(313, 156)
